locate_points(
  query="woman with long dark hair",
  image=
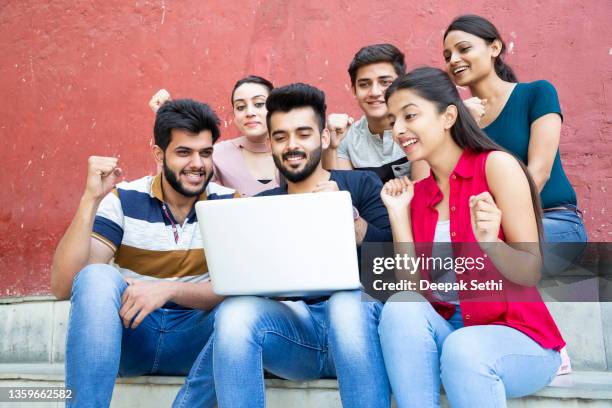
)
(484, 199)
(524, 118)
(244, 163)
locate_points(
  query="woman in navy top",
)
(524, 118)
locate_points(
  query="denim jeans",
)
(299, 341)
(564, 240)
(479, 366)
(98, 347)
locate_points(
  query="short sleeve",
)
(343, 148)
(543, 100)
(108, 224)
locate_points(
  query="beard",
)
(300, 175)
(174, 182)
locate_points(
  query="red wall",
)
(75, 81)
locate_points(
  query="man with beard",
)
(305, 338)
(133, 266)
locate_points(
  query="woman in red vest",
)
(479, 198)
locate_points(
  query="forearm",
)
(520, 263)
(73, 252)
(361, 228)
(194, 295)
(540, 175)
(330, 158)
(401, 226)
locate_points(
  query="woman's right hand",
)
(397, 194)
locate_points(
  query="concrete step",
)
(580, 389)
(33, 330)
(33, 335)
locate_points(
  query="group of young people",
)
(476, 171)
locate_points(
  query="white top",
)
(444, 250)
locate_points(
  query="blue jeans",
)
(479, 366)
(98, 347)
(564, 240)
(299, 341)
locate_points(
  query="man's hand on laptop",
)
(326, 186)
(361, 226)
(338, 124)
(141, 298)
(102, 175)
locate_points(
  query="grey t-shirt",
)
(369, 152)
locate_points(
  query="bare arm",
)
(545, 134)
(195, 295)
(338, 125)
(77, 248)
(143, 297)
(510, 206)
(331, 161)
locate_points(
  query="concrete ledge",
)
(579, 389)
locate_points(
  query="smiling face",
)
(469, 58)
(418, 127)
(187, 161)
(297, 143)
(371, 82)
(249, 103)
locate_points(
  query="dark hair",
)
(436, 86)
(483, 28)
(185, 114)
(373, 54)
(295, 96)
(252, 79)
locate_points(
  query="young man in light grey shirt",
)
(368, 143)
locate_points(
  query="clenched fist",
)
(102, 175)
(397, 194)
(485, 217)
(338, 124)
(157, 100)
(477, 108)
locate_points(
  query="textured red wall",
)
(76, 79)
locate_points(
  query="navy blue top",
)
(512, 130)
(364, 187)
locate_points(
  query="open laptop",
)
(289, 245)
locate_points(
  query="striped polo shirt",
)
(132, 222)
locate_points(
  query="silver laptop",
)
(289, 245)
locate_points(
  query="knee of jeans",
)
(347, 305)
(461, 355)
(237, 318)
(352, 318)
(98, 280)
(405, 309)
